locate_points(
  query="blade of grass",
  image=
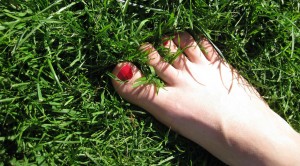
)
(54, 74)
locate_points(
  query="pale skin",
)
(208, 102)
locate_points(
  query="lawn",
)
(57, 104)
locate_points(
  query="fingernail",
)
(146, 47)
(166, 42)
(125, 73)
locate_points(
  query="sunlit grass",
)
(57, 105)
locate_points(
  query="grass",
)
(58, 107)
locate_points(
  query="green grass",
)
(58, 107)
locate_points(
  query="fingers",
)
(181, 59)
(163, 69)
(169, 72)
(128, 73)
(190, 47)
(209, 51)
